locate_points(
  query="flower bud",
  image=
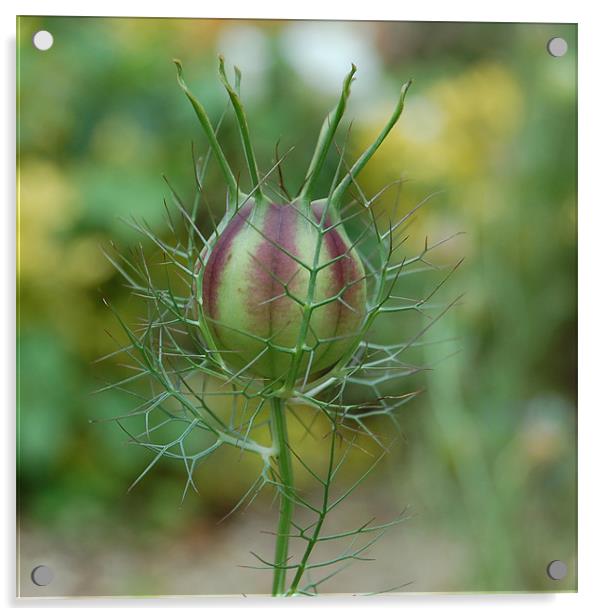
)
(282, 290)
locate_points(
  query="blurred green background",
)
(488, 464)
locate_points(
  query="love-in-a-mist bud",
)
(282, 289)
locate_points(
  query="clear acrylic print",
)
(297, 307)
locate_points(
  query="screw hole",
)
(43, 40)
(557, 47)
(42, 575)
(557, 570)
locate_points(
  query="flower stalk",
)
(278, 425)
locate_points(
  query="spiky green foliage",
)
(174, 352)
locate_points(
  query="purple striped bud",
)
(282, 290)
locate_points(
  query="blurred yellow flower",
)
(453, 136)
(85, 265)
(46, 207)
(57, 267)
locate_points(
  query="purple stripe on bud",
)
(272, 268)
(219, 257)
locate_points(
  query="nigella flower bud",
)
(280, 291)
(280, 283)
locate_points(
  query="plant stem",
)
(360, 163)
(321, 517)
(285, 468)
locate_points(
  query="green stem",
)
(210, 134)
(321, 517)
(337, 196)
(327, 132)
(285, 468)
(244, 130)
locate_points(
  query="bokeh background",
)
(488, 463)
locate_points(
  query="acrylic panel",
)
(297, 307)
